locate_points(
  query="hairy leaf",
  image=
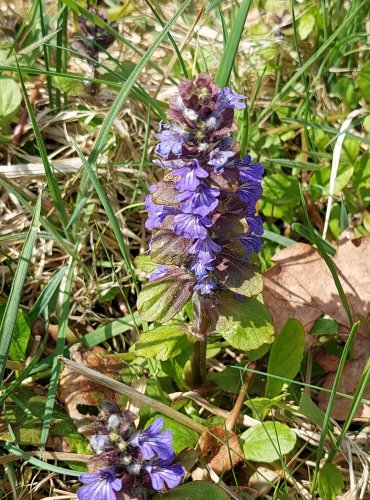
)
(246, 324)
(239, 276)
(161, 299)
(168, 248)
(164, 342)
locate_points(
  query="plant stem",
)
(198, 362)
(201, 325)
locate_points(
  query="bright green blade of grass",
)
(51, 179)
(110, 214)
(228, 58)
(302, 230)
(39, 464)
(46, 49)
(278, 238)
(59, 348)
(296, 382)
(45, 296)
(11, 310)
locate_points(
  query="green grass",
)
(68, 241)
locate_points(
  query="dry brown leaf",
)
(77, 390)
(221, 457)
(300, 285)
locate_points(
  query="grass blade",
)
(228, 58)
(56, 367)
(45, 296)
(51, 179)
(11, 310)
(110, 214)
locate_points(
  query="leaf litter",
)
(300, 286)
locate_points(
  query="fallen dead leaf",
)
(300, 285)
(78, 392)
(220, 457)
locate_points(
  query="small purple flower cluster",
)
(130, 463)
(208, 187)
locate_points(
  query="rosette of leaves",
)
(203, 215)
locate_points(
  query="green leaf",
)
(346, 89)
(267, 442)
(69, 86)
(164, 342)
(230, 379)
(285, 356)
(306, 25)
(161, 299)
(261, 406)
(245, 324)
(310, 410)
(363, 81)
(239, 276)
(21, 335)
(25, 416)
(10, 97)
(183, 437)
(319, 182)
(280, 196)
(201, 490)
(324, 326)
(330, 482)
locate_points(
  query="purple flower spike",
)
(100, 443)
(157, 213)
(190, 175)
(163, 474)
(251, 243)
(152, 442)
(192, 226)
(230, 100)
(171, 140)
(250, 171)
(101, 485)
(254, 221)
(220, 158)
(205, 285)
(202, 201)
(249, 192)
